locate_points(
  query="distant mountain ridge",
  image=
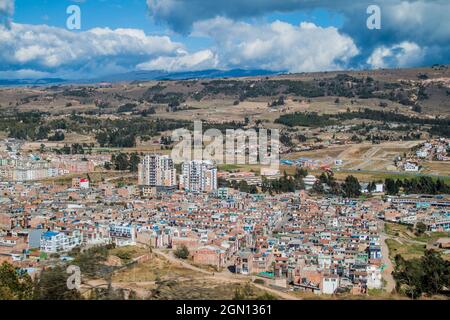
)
(146, 76)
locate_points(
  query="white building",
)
(122, 235)
(411, 167)
(157, 171)
(379, 188)
(330, 284)
(53, 242)
(422, 153)
(198, 176)
(374, 277)
(309, 181)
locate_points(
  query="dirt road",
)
(389, 267)
(224, 276)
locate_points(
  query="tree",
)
(42, 133)
(244, 293)
(58, 136)
(436, 272)
(107, 165)
(351, 187)
(417, 108)
(318, 187)
(134, 162)
(52, 285)
(429, 274)
(120, 161)
(91, 259)
(15, 284)
(420, 228)
(391, 187)
(371, 187)
(182, 252)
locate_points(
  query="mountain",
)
(203, 74)
(146, 76)
(30, 82)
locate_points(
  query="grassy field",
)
(96, 177)
(399, 230)
(405, 249)
(380, 176)
(165, 280)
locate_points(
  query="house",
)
(330, 284)
(374, 277)
(209, 255)
(422, 153)
(122, 235)
(80, 183)
(243, 262)
(410, 167)
(379, 188)
(53, 242)
(443, 243)
(5, 221)
(261, 262)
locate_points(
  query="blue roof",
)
(49, 234)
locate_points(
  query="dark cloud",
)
(423, 22)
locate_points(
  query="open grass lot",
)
(202, 289)
(166, 280)
(96, 177)
(431, 237)
(154, 269)
(437, 167)
(405, 249)
(410, 245)
(381, 176)
(370, 161)
(399, 230)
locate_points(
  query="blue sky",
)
(134, 14)
(178, 35)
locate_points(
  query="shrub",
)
(182, 252)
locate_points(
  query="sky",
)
(118, 36)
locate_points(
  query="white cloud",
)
(278, 45)
(102, 51)
(201, 60)
(420, 21)
(48, 48)
(400, 55)
(424, 22)
(6, 11)
(23, 74)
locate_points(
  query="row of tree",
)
(421, 185)
(285, 183)
(124, 161)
